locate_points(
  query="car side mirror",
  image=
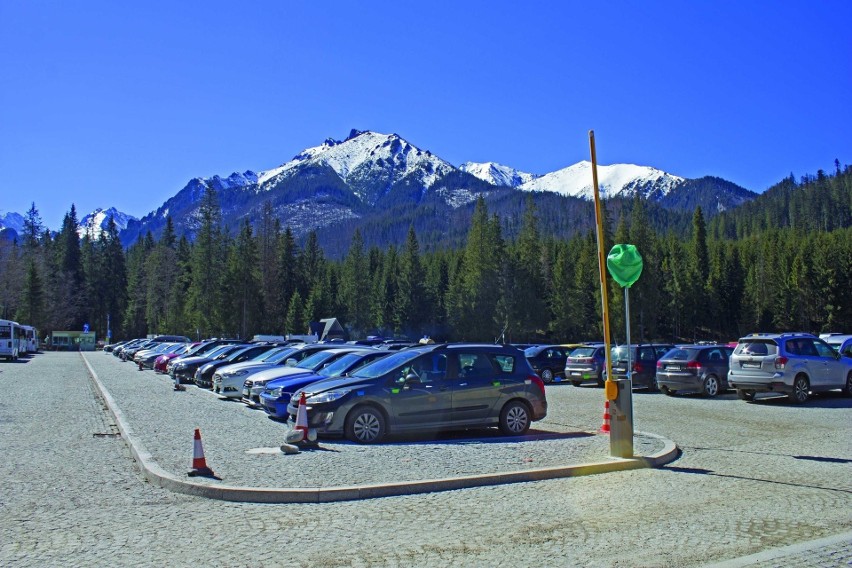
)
(412, 379)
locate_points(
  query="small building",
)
(328, 329)
(72, 341)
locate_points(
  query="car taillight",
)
(693, 365)
(587, 361)
(536, 380)
(659, 364)
(637, 367)
(780, 362)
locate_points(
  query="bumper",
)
(275, 407)
(772, 386)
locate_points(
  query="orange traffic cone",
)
(199, 464)
(302, 418)
(605, 426)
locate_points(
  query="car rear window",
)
(620, 352)
(677, 355)
(583, 352)
(757, 347)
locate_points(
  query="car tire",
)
(710, 387)
(801, 390)
(847, 390)
(515, 418)
(576, 383)
(667, 391)
(365, 425)
(745, 394)
(547, 376)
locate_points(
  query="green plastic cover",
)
(624, 264)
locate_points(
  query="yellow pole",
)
(611, 389)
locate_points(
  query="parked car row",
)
(365, 393)
(795, 364)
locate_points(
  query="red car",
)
(163, 360)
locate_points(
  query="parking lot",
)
(753, 477)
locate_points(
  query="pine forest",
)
(782, 262)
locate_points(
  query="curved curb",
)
(155, 474)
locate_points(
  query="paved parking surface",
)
(752, 478)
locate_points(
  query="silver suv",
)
(795, 364)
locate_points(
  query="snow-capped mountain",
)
(374, 181)
(95, 223)
(368, 162)
(13, 221)
(497, 174)
(617, 180)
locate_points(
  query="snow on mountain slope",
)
(497, 174)
(13, 221)
(362, 154)
(614, 180)
(96, 222)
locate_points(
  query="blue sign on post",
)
(85, 328)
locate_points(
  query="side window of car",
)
(823, 349)
(661, 350)
(646, 354)
(505, 363)
(472, 365)
(715, 356)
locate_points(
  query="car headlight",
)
(179, 366)
(274, 393)
(328, 396)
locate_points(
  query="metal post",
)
(621, 409)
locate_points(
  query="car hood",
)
(296, 382)
(252, 366)
(278, 372)
(337, 382)
(195, 360)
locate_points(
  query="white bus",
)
(10, 339)
(29, 339)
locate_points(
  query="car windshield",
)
(338, 367)
(218, 351)
(313, 361)
(583, 352)
(266, 355)
(386, 364)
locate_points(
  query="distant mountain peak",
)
(497, 174)
(95, 223)
(616, 180)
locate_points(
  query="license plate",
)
(750, 365)
(576, 374)
(618, 370)
(246, 393)
(674, 367)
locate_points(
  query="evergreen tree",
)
(242, 284)
(355, 286)
(205, 309)
(410, 305)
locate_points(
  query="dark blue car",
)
(278, 392)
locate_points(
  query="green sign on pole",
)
(624, 264)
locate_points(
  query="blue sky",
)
(120, 104)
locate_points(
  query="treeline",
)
(782, 262)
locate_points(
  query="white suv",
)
(795, 364)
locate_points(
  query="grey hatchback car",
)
(428, 388)
(694, 368)
(795, 364)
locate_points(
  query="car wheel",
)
(515, 418)
(602, 380)
(576, 383)
(667, 391)
(365, 425)
(547, 376)
(745, 394)
(711, 386)
(848, 389)
(801, 389)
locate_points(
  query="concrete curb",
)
(155, 474)
(776, 555)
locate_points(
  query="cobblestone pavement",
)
(752, 478)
